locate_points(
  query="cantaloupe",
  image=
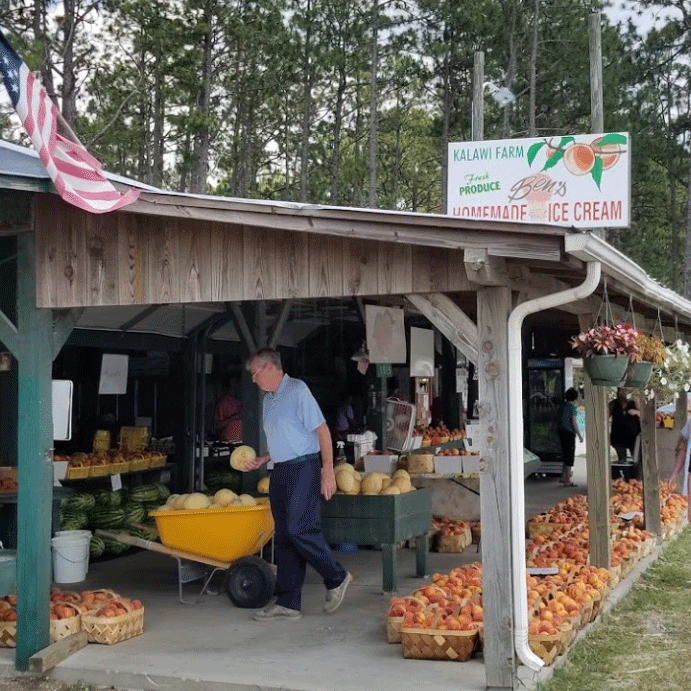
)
(356, 487)
(179, 502)
(216, 506)
(263, 485)
(196, 500)
(345, 481)
(401, 472)
(224, 497)
(171, 499)
(246, 500)
(403, 484)
(390, 490)
(385, 482)
(371, 483)
(241, 457)
(165, 507)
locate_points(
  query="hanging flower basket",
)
(606, 370)
(607, 353)
(638, 375)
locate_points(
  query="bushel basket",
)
(439, 644)
(109, 630)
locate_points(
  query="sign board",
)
(62, 409)
(113, 374)
(421, 352)
(581, 181)
(385, 334)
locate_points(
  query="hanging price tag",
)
(116, 482)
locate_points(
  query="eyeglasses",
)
(258, 370)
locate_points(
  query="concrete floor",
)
(214, 645)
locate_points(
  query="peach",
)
(608, 153)
(579, 159)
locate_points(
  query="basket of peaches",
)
(112, 619)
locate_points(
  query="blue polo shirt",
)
(291, 417)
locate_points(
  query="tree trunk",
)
(39, 27)
(373, 114)
(306, 105)
(687, 248)
(532, 126)
(156, 175)
(511, 69)
(446, 119)
(201, 141)
(69, 87)
(338, 124)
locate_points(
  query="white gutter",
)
(515, 389)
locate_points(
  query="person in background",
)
(228, 413)
(568, 429)
(345, 419)
(300, 447)
(625, 425)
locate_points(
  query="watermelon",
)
(144, 493)
(70, 520)
(134, 512)
(112, 546)
(163, 491)
(79, 503)
(107, 518)
(143, 534)
(105, 498)
(218, 479)
(96, 546)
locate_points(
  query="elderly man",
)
(300, 447)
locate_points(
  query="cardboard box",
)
(360, 444)
(380, 463)
(448, 465)
(471, 464)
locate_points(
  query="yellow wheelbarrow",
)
(223, 539)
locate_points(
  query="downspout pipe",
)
(515, 388)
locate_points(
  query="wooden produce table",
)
(382, 520)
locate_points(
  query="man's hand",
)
(258, 462)
(328, 484)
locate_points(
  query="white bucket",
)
(70, 558)
(76, 534)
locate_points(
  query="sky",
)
(643, 18)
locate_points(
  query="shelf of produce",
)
(436, 448)
(135, 477)
(8, 514)
(382, 520)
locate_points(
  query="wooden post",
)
(493, 307)
(478, 115)
(35, 467)
(597, 117)
(651, 478)
(598, 472)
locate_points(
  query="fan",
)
(400, 419)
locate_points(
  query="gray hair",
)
(265, 355)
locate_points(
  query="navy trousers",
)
(295, 493)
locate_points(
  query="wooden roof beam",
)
(484, 268)
(450, 319)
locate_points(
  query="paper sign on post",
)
(113, 374)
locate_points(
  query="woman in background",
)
(568, 431)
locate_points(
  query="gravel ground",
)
(29, 683)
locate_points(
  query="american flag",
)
(75, 173)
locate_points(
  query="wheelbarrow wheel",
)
(250, 582)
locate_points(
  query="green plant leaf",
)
(532, 151)
(612, 138)
(596, 172)
(566, 140)
(552, 161)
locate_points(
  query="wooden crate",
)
(435, 644)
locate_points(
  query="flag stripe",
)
(76, 174)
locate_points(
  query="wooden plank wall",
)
(128, 259)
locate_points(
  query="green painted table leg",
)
(389, 554)
(421, 554)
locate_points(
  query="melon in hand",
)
(242, 457)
